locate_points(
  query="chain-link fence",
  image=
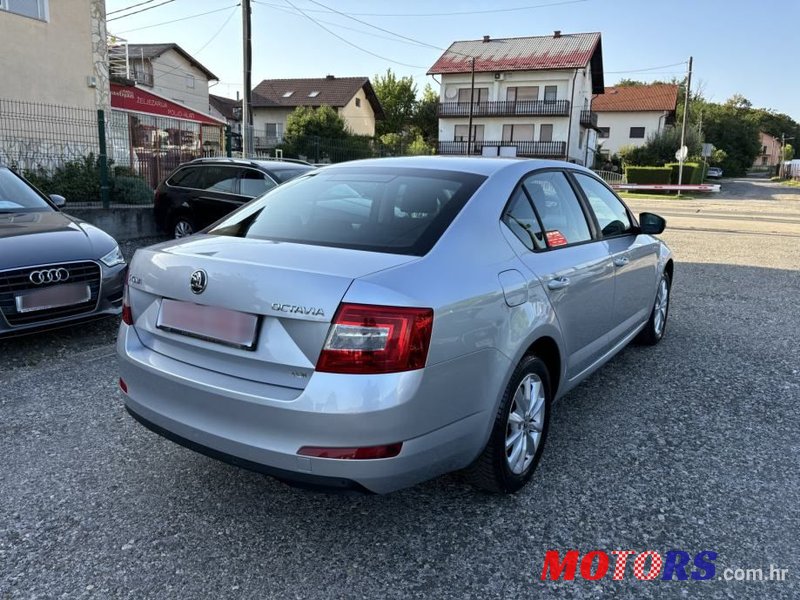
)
(118, 157)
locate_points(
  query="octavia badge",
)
(198, 281)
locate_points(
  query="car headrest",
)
(419, 201)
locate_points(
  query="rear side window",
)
(401, 211)
(521, 219)
(218, 179)
(254, 183)
(558, 208)
(185, 177)
(610, 212)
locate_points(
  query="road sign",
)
(708, 150)
(682, 154)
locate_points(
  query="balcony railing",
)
(521, 108)
(589, 119)
(529, 149)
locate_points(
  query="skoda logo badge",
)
(198, 281)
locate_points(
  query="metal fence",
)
(611, 177)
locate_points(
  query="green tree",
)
(307, 128)
(426, 122)
(660, 148)
(730, 127)
(788, 152)
(398, 98)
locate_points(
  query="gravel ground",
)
(692, 445)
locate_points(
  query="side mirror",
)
(651, 224)
(59, 201)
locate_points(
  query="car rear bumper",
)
(432, 412)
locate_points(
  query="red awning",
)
(125, 97)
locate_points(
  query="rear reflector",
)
(122, 385)
(367, 339)
(371, 452)
(127, 315)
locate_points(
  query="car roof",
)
(263, 163)
(467, 164)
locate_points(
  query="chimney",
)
(486, 39)
(237, 95)
(557, 33)
(329, 77)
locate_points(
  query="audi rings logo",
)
(49, 276)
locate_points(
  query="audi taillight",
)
(369, 339)
(127, 315)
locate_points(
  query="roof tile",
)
(634, 98)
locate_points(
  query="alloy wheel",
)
(662, 302)
(525, 423)
(183, 229)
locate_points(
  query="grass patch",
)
(791, 183)
(651, 196)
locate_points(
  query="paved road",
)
(692, 445)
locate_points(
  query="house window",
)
(460, 133)
(546, 133)
(143, 72)
(481, 95)
(36, 9)
(637, 133)
(550, 93)
(580, 139)
(313, 94)
(274, 131)
(190, 81)
(287, 94)
(528, 93)
(517, 133)
(358, 102)
(603, 132)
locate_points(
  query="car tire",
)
(182, 226)
(657, 323)
(499, 469)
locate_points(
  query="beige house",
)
(532, 96)
(167, 70)
(273, 100)
(54, 52)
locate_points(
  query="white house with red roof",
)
(628, 115)
(532, 96)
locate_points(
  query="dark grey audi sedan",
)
(54, 269)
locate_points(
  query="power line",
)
(181, 19)
(119, 10)
(141, 10)
(464, 12)
(645, 70)
(348, 42)
(213, 37)
(376, 27)
(340, 26)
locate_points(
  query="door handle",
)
(621, 261)
(558, 284)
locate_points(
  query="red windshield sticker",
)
(555, 238)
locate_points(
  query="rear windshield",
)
(284, 175)
(395, 210)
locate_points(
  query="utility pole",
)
(683, 127)
(471, 101)
(247, 56)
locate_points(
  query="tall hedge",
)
(693, 172)
(648, 175)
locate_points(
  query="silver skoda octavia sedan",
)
(374, 324)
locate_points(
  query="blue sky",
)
(738, 46)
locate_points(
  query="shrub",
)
(76, 180)
(693, 172)
(131, 190)
(648, 175)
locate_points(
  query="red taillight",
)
(127, 315)
(377, 339)
(371, 452)
(122, 385)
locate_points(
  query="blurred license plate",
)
(211, 323)
(53, 297)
